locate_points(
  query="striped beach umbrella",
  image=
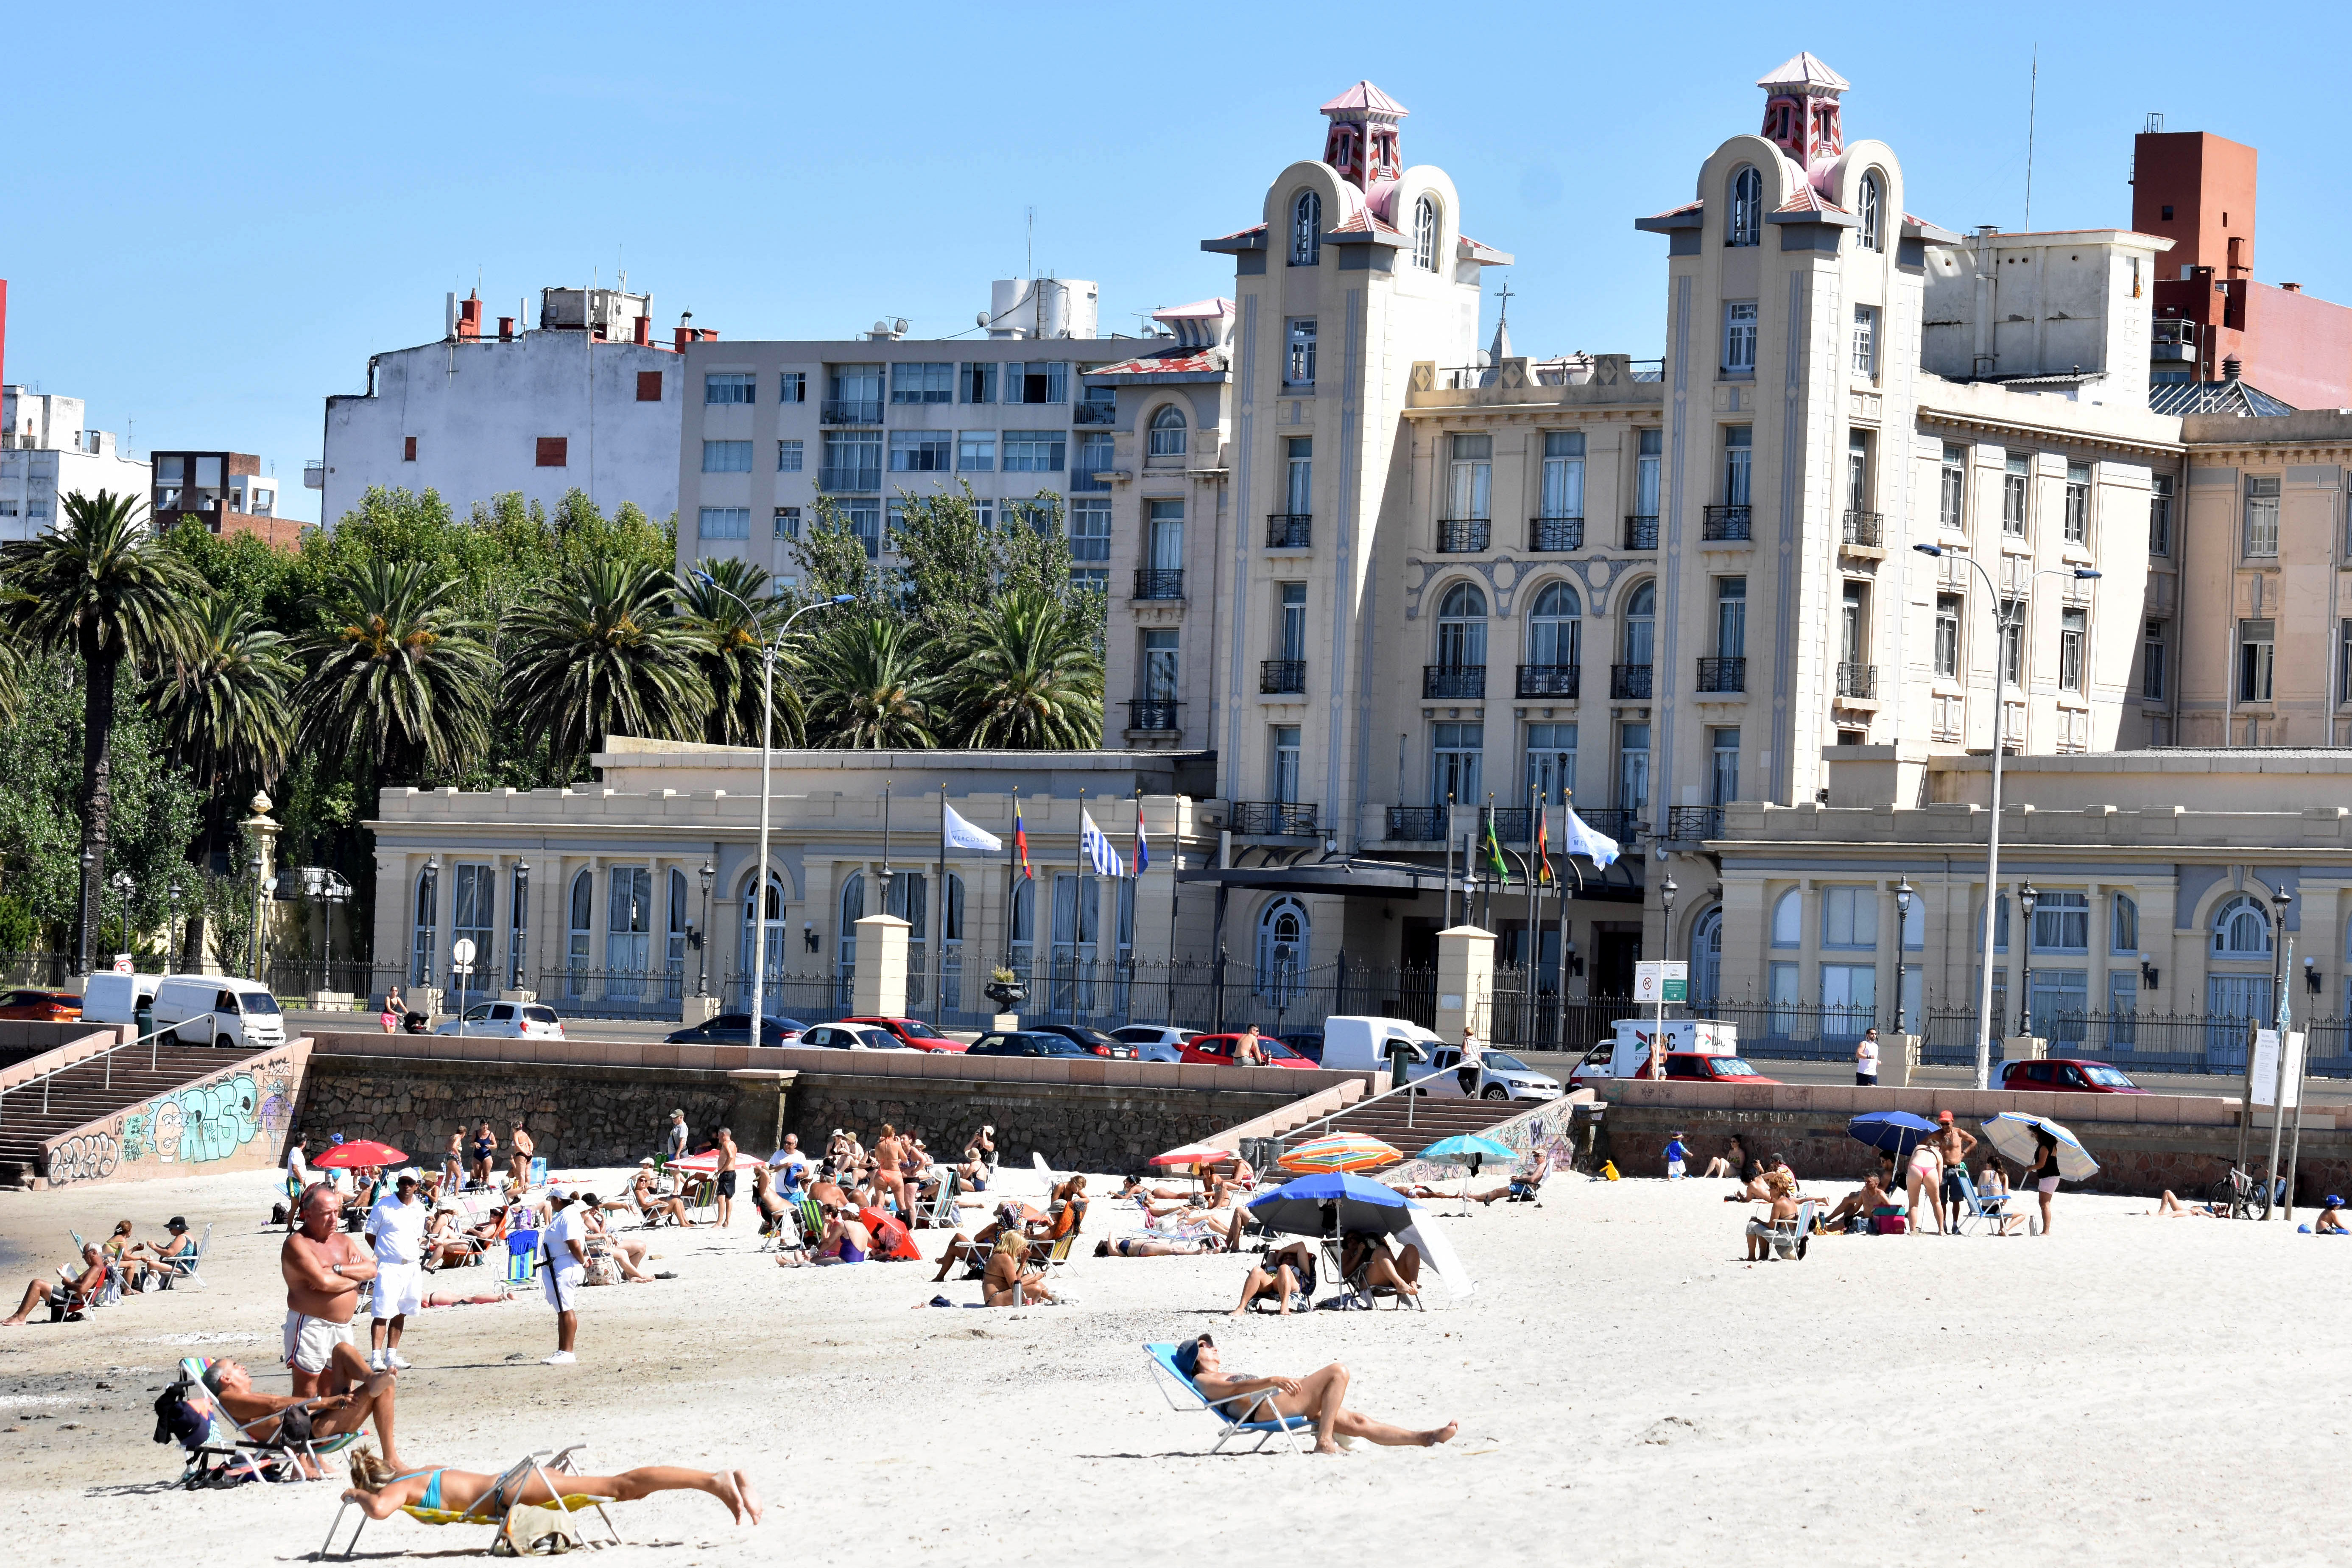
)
(1339, 1152)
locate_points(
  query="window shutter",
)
(554, 451)
(649, 388)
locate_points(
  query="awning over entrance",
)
(1356, 876)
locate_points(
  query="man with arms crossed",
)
(396, 1225)
(564, 1257)
(324, 1268)
(1951, 1144)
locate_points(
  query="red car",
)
(46, 1006)
(1688, 1065)
(1217, 1051)
(2071, 1077)
(913, 1032)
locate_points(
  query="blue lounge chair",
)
(1257, 1414)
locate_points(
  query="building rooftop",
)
(2227, 396)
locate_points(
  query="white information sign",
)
(1655, 981)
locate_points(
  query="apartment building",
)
(225, 492)
(48, 452)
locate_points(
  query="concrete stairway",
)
(1433, 1117)
(89, 1090)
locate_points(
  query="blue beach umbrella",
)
(1895, 1131)
(1331, 1204)
(1467, 1149)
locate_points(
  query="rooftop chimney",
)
(2231, 368)
(2292, 287)
(506, 328)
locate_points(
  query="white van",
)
(1361, 1044)
(219, 1010)
(1627, 1053)
(112, 998)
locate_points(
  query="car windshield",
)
(260, 1002)
(1058, 1045)
(1732, 1067)
(2107, 1077)
(916, 1029)
(1504, 1060)
(1276, 1050)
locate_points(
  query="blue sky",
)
(224, 212)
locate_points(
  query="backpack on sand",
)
(531, 1532)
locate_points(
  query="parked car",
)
(1096, 1042)
(1626, 1053)
(1502, 1076)
(112, 998)
(1363, 1044)
(506, 1021)
(1217, 1051)
(913, 1032)
(46, 1006)
(2066, 1076)
(1155, 1042)
(219, 1010)
(1307, 1043)
(851, 1038)
(735, 1029)
(1027, 1043)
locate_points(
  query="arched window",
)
(853, 909)
(1306, 230)
(1282, 951)
(1641, 625)
(1789, 920)
(1706, 957)
(1746, 224)
(1873, 199)
(628, 928)
(424, 921)
(748, 946)
(579, 933)
(1555, 634)
(1424, 234)
(681, 916)
(2241, 929)
(1168, 432)
(1461, 626)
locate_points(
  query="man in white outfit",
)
(564, 1257)
(397, 1227)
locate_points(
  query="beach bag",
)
(531, 1532)
(1888, 1225)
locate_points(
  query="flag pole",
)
(940, 938)
(1535, 905)
(1448, 921)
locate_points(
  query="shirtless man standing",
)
(889, 1157)
(1951, 1144)
(523, 1149)
(728, 1160)
(324, 1268)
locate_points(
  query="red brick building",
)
(226, 491)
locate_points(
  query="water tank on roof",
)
(1042, 308)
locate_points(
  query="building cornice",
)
(1976, 423)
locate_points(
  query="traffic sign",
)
(1664, 981)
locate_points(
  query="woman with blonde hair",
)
(377, 1488)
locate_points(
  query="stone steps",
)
(89, 1090)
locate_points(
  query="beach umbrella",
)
(706, 1162)
(1339, 1152)
(1437, 1253)
(358, 1154)
(1470, 1149)
(1194, 1154)
(1331, 1204)
(2011, 1133)
(1895, 1131)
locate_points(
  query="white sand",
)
(2128, 1389)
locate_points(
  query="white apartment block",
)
(49, 452)
(588, 401)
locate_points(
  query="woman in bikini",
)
(383, 1491)
(453, 1162)
(1319, 1397)
(887, 1155)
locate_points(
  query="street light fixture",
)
(83, 909)
(2004, 621)
(1904, 893)
(2279, 902)
(172, 897)
(702, 937)
(2027, 897)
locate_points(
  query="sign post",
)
(1658, 984)
(461, 963)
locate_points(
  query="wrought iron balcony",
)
(832, 478)
(1417, 824)
(1640, 533)
(1723, 675)
(1867, 529)
(1694, 824)
(1555, 533)
(1454, 680)
(1615, 822)
(1512, 823)
(1629, 682)
(1282, 675)
(1093, 413)
(1722, 522)
(1464, 535)
(850, 411)
(1160, 583)
(1289, 530)
(1858, 680)
(1548, 679)
(1273, 819)
(1153, 713)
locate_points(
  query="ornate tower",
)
(1800, 111)
(1362, 143)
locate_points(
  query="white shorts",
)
(562, 1288)
(399, 1290)
(311, 1342)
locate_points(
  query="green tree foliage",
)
(1031, 675)
(733, 614)
(602, 651)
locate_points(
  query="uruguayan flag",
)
(1097, 848)
(957, 834)
(1578, 839)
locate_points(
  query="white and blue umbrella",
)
(2012, 1132)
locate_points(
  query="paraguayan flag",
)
(1097, 848)
(955, 833)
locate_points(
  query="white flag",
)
(1579, 839)
(1097, 848)
(957, 834)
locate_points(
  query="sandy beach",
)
(2127, 1389)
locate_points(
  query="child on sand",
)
(1677, 1153)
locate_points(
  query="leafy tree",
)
(1031, 677)
(602, 651)
(223, 702)
(726, 605)
(870, 688)
(400, 683)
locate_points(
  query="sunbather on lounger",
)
(1320, 1396)
(63, 1299)
(1759, 1231)
(380, 1488)
(1154, 1247)
(1281, 1275)
(330, 1414)
(1372, 1264)
(630, 1256)
(1010, 1282)
(652, 1204)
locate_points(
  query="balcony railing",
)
(1464, 535)
(1282, 675)
(1273, 819)
(850, 411)
(1629, 682)
(1858, 680)
(1093, 413)
(1725, 523)
(1512, 823)
(1640, 533)
(1160, 583)
(1555, 533)
(1723, 675)
(1867, 529)
(1454, 680)
(1548, 679)
(1694, 824)
(1417, 824)
(1289, 530)
(1153, 713)
(830, 478)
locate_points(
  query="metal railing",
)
(1723, 675)
(1464, 535)
(1280, 676)
(830, 477)
(1272, 818)
(152, 1040)
(590, 993)
(1160, 583)
(1620, 822)
(1555, 533)
(1629, 682)
(1416, 824)
(1867, 529)
(49, 970)
(1289, 530)
(850, 411)
(1512, 823)
(1151, 713)
(1084, 413)
(1725, 523)
(1694, 824)
(1454, 680)
(1857, 680)
(1641, 532)
(1549, 679)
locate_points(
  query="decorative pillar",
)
(1466, 983)
(879, 987)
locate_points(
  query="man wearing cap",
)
(396, 1226)
(1951, 1143)
(2331, 1219)
(329, 1416)
(563, 1257)
(172, 1258)
(324, 1268)
(674, 1149)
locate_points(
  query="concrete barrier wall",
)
(31, 1047)
(232, 1118)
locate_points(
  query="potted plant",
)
(1004, 989)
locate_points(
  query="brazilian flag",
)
(1492, 848)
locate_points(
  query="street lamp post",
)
(83, 901)
(2003, 622)
(2027, 897)
(1666, 891)
(702, 973)
(1904, 894)
(172, 897)
(521, 897)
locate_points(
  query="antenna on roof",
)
(2032, 101)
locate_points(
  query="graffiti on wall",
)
(198, 1124)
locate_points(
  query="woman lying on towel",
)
(383, 1491)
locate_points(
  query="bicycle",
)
(2244, 1195)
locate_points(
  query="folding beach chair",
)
(221, 1448)
(1334, 1250)
(1256, 1415)
(546, 1464)
(188, 1265)
(941, 1213)
(538, 1170)
(1789, 1236)
(1999, 1209)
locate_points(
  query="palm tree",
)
(104, 586)
(399, 679)
(222, 705)
(1030, 678)
(871, 684)
(603, 651)
(713, 599)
